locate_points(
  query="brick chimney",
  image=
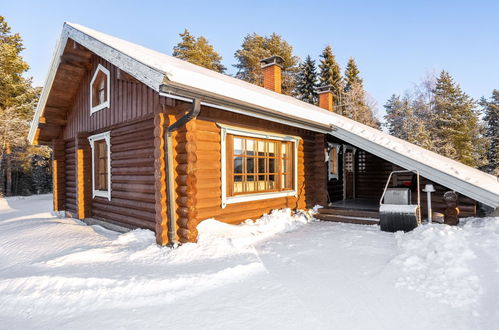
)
(326, 97)
(272, 73)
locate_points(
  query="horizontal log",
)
(143, 197)
(140, 170)
(136, 188)
(128, 211)
(137, 179)
(124, 220)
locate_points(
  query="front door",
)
(349, 173)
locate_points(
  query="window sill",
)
(99, 107)
(257, 197)
(102, 193)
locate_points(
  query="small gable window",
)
(99, 89)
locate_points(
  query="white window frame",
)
(100, 68)
(92, 139)
(226, 129)
(328, 158)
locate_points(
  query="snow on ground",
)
(282, 272)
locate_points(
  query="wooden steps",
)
(361, 217)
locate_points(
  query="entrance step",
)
(350, 212)
(361, 217)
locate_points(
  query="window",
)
(99, 89)
(361, 161)
(101, 165)
(257, 166)
(333, 169)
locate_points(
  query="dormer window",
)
(99, 89)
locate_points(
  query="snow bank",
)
(435, 260)
(250, 232)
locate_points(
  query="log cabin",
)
(144, 140)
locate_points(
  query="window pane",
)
(285, 147)
(238, 165)
(272, 149)
(261, 148)
(250, 165)
(261, 165)
(100, 163)
(250, 147)
(238, 146)
(272, 165)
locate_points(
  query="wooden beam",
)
(49, 126)
(76, 61)
(122, 75)
(53, 120)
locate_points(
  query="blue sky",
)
(395, 43)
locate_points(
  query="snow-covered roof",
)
(155, 69)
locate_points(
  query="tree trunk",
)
(8, 171)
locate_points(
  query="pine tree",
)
(306, 82)
(355, 102)
(402, 121)
(255, 48)
(17, 102)
(352, 75)
(396, 112)
(491, 119)
(198, 51)
(455, 123)
(330, 74)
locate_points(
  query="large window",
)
(257, 165)
(99, 89)
(101, 165)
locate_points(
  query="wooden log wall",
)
(59, 175)
(198, 168)
(134, 141)
(371, 173)
(132, 177)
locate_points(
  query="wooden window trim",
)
(228, 197)
(106, 136)
(107, 103)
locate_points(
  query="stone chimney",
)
(272, 73)
(326, 97)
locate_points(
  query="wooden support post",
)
(160, 179)
(451, 213)
(58, 174)
(320, 171)
(83, 176)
